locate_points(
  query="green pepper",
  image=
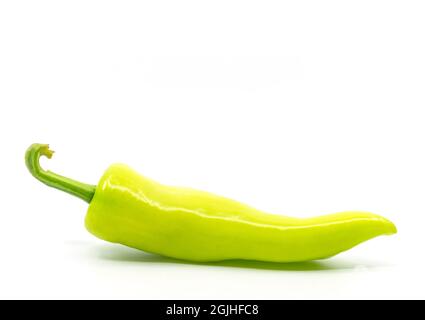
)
(188, 224)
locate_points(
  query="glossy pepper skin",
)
(188, 224)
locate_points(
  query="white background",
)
(294, 107)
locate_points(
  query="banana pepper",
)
(130, 209)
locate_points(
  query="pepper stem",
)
(32, 160)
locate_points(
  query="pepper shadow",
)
(123, 254)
